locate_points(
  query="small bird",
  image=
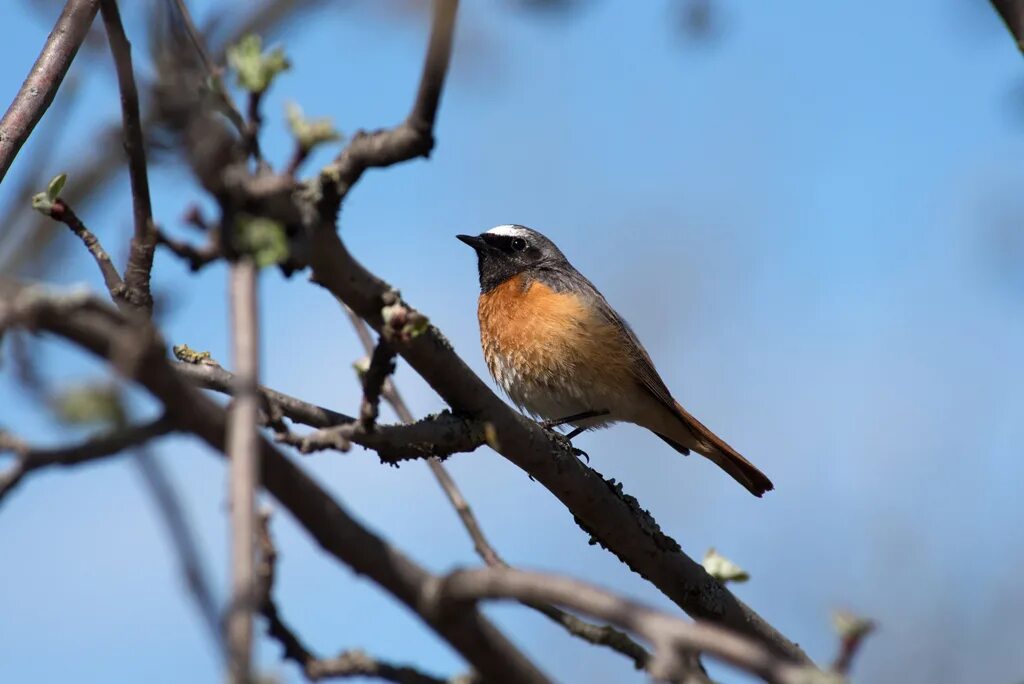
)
(562, 353)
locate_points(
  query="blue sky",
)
(812, 221)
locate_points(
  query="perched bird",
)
(560, 351)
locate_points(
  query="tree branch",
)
(414, 137)
(438, 435)
(41, 85)
(62, 212)
(672, 638)
(168, 505)
(601, 635)
(143, 245)
(1012, 13)
(29, 459)
(106, 333)
(347, 664)
(613, 518)
(243, 452)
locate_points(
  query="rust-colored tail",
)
(712, 447)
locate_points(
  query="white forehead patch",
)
(508, 230)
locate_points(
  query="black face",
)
(504, 256)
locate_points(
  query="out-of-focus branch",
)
(106, 333)
(1012, 12)
(671, 637)
(40, 87)
(28, 458)
(197, 257)
(414, 137)
(352, 663)
(595, 634)
(243, 452)
(143, 245)
(168, 505)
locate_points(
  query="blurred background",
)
(811, 212)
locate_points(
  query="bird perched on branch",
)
(559, 350)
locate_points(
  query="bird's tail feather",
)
(712, 447)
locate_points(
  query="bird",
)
(560, 352)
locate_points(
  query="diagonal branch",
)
(29, 459)
(671, 637)
(106, 333)
(61, 211)
(612, 518)
(350, 663)
(41, 85)
(414, 137)
(143, 245)
(601, 635)
(1012, 13)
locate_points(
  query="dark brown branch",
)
(105, 333)
(197, 257)
(28, 458)
(243, 452)
(612, 518)
(1012, 13)
(41, 85)
(414, 137)
(61, 211)
(672, 638)
(601, 635)
(382, 365)
(348, 663)
(143, 245)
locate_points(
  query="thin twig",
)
(43, 81)
(197, 257)
(244, 455)
(143, 245)
(168, 504)
(28, 458)
(61, 211)
(214, 72)
(414, 137)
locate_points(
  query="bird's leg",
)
(549, 424)
(593, 413)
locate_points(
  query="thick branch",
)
(40, 87)
(612, 518)
(106, 333)
(671, 637)
(601, 635)
(28, 458)
(1012, 12)
(140, 257)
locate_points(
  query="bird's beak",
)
(474, 241)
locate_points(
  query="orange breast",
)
(535, 335)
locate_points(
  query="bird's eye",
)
(518, 244)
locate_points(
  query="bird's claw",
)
(580, 453)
